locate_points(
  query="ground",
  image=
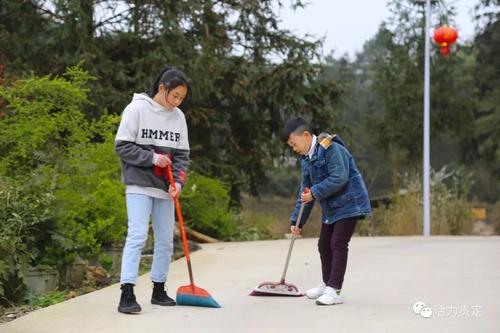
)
(456, 277)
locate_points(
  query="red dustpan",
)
(281, 288)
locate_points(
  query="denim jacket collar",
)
(314, 156)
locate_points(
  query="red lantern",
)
(445, 36)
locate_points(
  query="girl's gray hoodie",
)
(146, 129)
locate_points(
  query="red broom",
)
(189, 294)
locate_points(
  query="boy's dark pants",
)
(333, 247)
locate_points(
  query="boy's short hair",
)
(296, 125)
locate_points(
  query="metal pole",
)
(426, 165)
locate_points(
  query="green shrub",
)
(106, 261)
(43, 120)
(90, 198)
(26, 222)
(61, 194)
(49, 298)
(205, 204)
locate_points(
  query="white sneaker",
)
(329, 297)
(316, 292)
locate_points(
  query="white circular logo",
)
(426, 312)
(418, 306)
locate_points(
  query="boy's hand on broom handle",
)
(306, 196)
(295, 229)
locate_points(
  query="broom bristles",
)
(195, 296)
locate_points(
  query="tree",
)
(248, 75)
(356, 105)
(487, 80)
(398, 80)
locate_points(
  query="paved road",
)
(457, 277)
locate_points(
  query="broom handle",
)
(297, 222)
(181, 224)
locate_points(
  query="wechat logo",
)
(421, 309)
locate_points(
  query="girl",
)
(152, 134)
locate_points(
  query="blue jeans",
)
(139, 209)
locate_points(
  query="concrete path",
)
(458, 278)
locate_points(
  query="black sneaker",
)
(128, 303)
(160, 296)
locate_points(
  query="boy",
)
(328, 169)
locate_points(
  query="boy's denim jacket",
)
(335, 181)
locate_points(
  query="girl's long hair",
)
(171, 78)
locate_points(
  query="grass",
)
(270, 217)
(51, 298)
